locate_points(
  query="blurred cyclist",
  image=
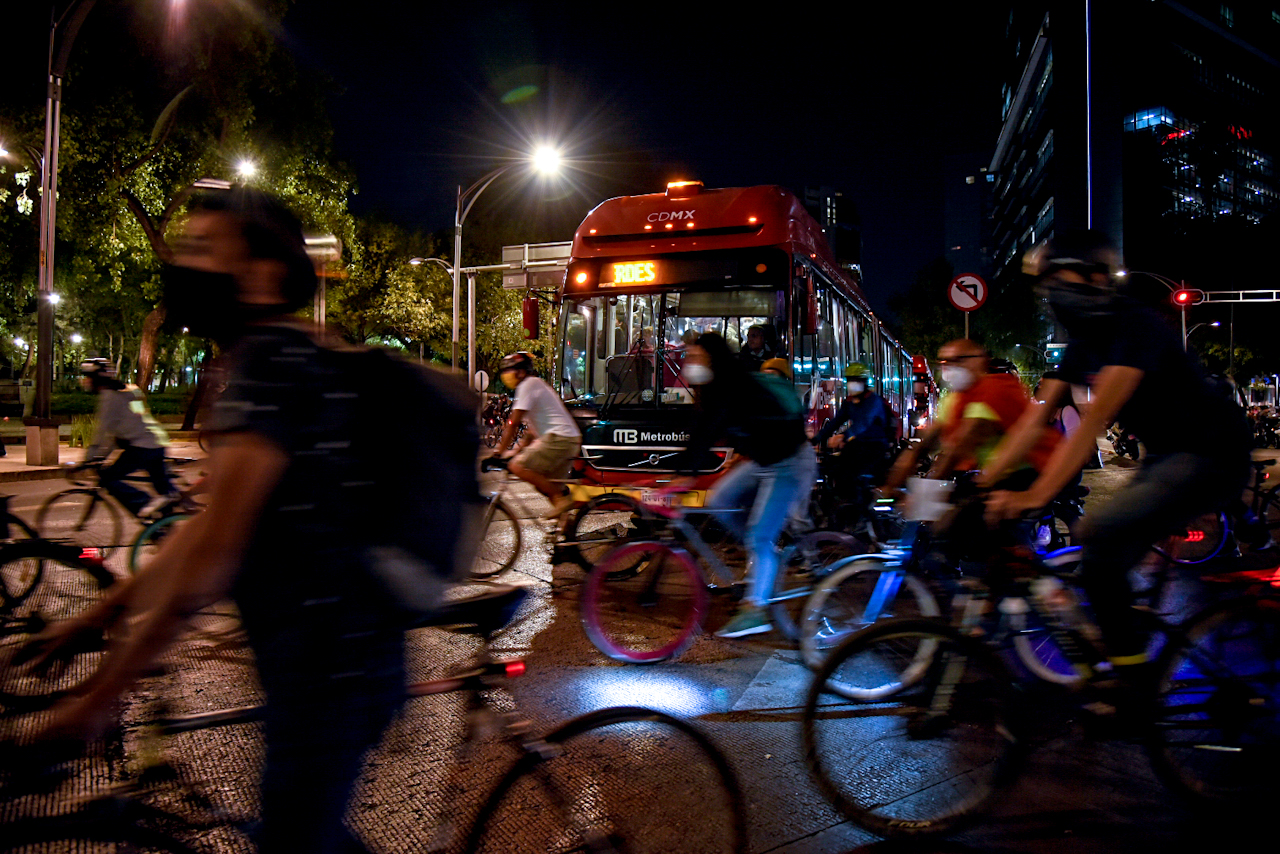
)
(558, 438)
(123, 420)
(761, 417)
(1197, 459)
(284, 531)
(863, 438)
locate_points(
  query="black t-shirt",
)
(301, 585)
(760, 418)
(1174, 409)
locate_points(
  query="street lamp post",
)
(1187, 335)
(42, 433)
(545, 160)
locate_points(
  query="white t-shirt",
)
(545, 410)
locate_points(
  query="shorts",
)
(549, 454)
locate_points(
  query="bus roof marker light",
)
(683, 189)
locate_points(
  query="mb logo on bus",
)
(623, 436)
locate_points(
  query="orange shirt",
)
(1000, 398)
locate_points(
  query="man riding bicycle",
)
(558, 438)
(123, 420)
(1197, 459)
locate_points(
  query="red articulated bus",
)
(647, 272)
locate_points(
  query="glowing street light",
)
(246, 169)
(546, 160)
(76, 338)
(55, 298)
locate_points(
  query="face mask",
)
(857, 388)
(509, 379)
(1077, 305)
(696, 374)
(957, 378)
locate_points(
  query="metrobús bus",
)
(647, 272)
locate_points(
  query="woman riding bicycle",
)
(123, 419)
(762, 419)
(1197, 442)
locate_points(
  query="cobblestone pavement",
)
(1077, 795)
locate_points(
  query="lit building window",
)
(1227, 14)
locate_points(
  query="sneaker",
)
(152, 509)
(559, 506)
(748, 621)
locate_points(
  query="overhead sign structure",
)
(967, 292)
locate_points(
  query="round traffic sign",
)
(967, 292)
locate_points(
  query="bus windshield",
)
(629, 349)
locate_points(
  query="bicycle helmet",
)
(521, 360)
(98, 367)
(1083, 251)
(856, 369)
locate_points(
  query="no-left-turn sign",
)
(967, 292)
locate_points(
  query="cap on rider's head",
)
(779, 366)
(520, 360)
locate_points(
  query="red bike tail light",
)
(1195, 536)
(91, 553)
(513, 669)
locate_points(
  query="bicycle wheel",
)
(644, 603)
(148, 542)
(1216, 734)
(857, 593)
(65, 585)
(591, 785)
(82, 517)
(925, 758)
(801, 565)
(1038, 651)
(501, 544)
(1199, 541)
(603, 523)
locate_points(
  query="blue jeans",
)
(770, 492)
(131, 459)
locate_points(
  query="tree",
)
(144, 118)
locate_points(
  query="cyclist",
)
(1197, 453)
(123, 420)
(558, 438)
(763, 419)
(281, 532)
(863, 437)
(980, 409)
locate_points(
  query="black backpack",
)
(428, 506)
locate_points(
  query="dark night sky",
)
(868, 99)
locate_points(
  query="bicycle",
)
(646, 600)
(1207, 536)
(86, 514)
(583, 786)
(43, 582)
(947, 728)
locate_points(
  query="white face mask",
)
(696, 374)
(857, 387)
(957, 378)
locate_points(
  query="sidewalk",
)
(13, 466)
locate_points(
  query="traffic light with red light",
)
(1187, 296)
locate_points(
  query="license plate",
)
(657, 498)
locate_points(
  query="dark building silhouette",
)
(839, 222)
(1152, 120)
